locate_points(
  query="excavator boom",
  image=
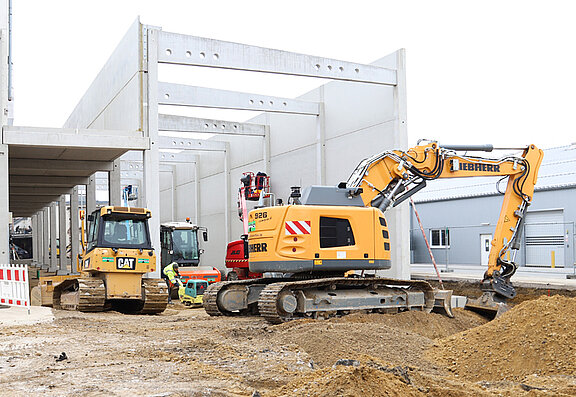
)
(390, 177)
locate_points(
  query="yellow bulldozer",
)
(117, 252)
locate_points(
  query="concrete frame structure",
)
(119, 113)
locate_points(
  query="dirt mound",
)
(536, 337)
(349, 381)
(395, 338)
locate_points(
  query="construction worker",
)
(172, 276)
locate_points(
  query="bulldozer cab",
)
(113, 227)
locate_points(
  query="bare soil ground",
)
(529, 351)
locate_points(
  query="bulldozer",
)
(117, 252)
(330, 232)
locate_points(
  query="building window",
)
(440, 238)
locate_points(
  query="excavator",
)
(328, 231)
(116, 254)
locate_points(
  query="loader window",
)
(92, 232)
(335, 232)
(185, 244)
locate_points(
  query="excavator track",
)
(211, 294)
(277, 296)
(81, 294)
(281, 300)
(155, 296)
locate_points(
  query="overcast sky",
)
(501, 72)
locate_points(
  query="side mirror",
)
(90, 218)
(205, 235)
(171, 252)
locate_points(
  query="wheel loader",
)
(332, 231)
(116, 254)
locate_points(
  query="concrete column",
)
(4, 207)
(91, 194)
(400, 216)
(151, 157)
(40, 235)
(53, 236)
(266, 148)
(173, 212)
(321, 141)
(114, 185)
(227, 205)
(63, 235)
(45, 238)
(197, 219)
(35, 238)
(74, 228)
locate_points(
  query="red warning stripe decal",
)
(298, 227)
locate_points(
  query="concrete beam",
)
(16, 199)
(165, 158)
(48, 181)
(198, 51)
(182, 157)
(74, 138)
(168, 122)
(49, 164)
(38, 191)
(186, 95)
(168, 142)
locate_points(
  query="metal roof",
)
(558, 171)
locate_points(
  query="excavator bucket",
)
(443, 302)
(488, 304)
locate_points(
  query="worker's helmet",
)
(175, 266)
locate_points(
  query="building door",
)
(545, 238)
(485, 245)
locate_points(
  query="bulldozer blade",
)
(488, 304)
(443, 302)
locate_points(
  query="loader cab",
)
(111, 227)
(180, 243)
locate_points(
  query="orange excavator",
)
(333, 230)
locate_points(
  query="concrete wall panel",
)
(122, 67)
(245, 149)
(291, 132)
(344, 153)
(212, 196)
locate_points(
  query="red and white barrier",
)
(14, 285)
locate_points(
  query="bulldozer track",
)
(268, 301)
(91, 295)
(156, 296)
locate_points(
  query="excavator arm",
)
(387, 179)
